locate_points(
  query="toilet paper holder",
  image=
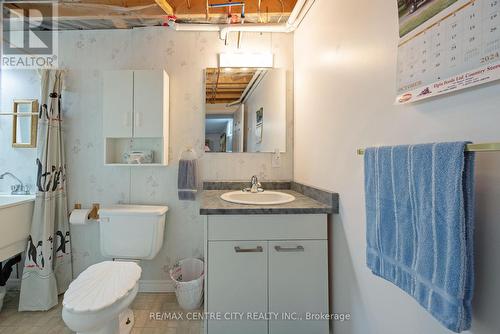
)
(93, 214)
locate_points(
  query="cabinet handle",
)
(126, 119)
(289, 249)
(257, 249)
(138, 118)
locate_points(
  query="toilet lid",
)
(101, 285)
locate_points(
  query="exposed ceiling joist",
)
(225, 86)
(251, 6)
(165, 5)
(121, 14)
(118, 3)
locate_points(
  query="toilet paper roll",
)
(79, 216)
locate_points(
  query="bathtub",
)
(16, 212)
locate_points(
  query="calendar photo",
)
(413, 13)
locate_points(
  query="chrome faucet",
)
(19, 188)
(256, 187)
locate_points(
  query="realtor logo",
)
(29, 37)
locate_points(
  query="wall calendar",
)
(445, 46)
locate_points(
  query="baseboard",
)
(156, 286)
(144, 285)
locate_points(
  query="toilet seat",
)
(100, 286)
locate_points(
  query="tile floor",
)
(50, 322)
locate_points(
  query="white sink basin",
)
(262, 198)
(16, 212)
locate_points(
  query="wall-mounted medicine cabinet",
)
(136, 117)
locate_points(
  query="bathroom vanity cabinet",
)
(261, 269)
(135, 114)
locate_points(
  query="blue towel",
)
(187, 179)
(419, 225)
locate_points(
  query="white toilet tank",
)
(132, 231)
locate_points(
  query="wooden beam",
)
(231, 79)
(229, 85)
(224, 93)
(220, 101)
(251, 6)
(239, 91)
(232, 85)
(120, 3)
(196, 10)
(89, 10)
(167, 8)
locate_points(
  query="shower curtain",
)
(47, 267)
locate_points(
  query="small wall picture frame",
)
(259, 123)
(259, 116)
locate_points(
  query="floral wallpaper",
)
(184, 55)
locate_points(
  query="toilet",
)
(98, 300)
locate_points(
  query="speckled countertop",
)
(212, 204)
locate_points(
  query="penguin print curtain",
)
(47, 268)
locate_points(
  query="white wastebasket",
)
(188, 275)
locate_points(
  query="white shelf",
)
(134, 165)
(115, 147)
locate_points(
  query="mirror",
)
(24, 126)
(245, 110)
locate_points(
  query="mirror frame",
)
(34, 123)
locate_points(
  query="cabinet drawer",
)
(267, 227)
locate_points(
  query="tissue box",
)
(138, 157)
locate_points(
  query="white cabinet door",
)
(149, 103)
(298, 283)
(117, 104)
(237, 282)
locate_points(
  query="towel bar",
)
(486, 147)
(21, 114)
